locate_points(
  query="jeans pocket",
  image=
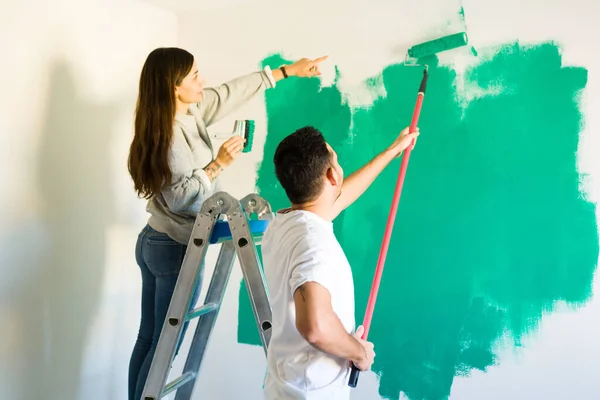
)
(163, 255)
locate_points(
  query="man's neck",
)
(319, 207)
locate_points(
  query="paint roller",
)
(417, 52)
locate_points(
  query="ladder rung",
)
(178, 382)
(205, 309)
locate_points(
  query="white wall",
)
(69, 292)
(557, 361)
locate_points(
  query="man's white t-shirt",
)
(297, 247)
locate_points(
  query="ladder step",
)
(205, 309)
(178, 382)
(222, 232)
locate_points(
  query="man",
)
(308, 275)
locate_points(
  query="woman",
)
(173, 164)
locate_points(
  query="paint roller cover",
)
(438, 45)
(248, 135)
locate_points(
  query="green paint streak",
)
(314, 106)
(491, 230)
(461, 13)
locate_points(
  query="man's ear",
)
(333, 177)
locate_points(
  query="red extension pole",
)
(390, 224)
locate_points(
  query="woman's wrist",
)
(283, 72)
(213, 169)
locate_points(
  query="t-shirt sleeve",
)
(310, 263)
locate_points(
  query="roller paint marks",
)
(461, 13)
(491, 231)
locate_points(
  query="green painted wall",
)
(491, 230)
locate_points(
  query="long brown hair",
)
(148, 161)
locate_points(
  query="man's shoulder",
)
(296, 235)
(285, 223)
(297, 227)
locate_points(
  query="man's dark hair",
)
(300, 160)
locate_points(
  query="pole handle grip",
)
(353, 376)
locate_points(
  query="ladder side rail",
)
(206, 322)
(180, 301)
(250, 264)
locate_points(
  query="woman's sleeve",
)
(189, 183)
(221, 100)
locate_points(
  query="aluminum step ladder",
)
(238, 234)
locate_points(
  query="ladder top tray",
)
(221, 231)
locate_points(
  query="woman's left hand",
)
(305, 67)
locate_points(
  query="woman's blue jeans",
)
(159, 258)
